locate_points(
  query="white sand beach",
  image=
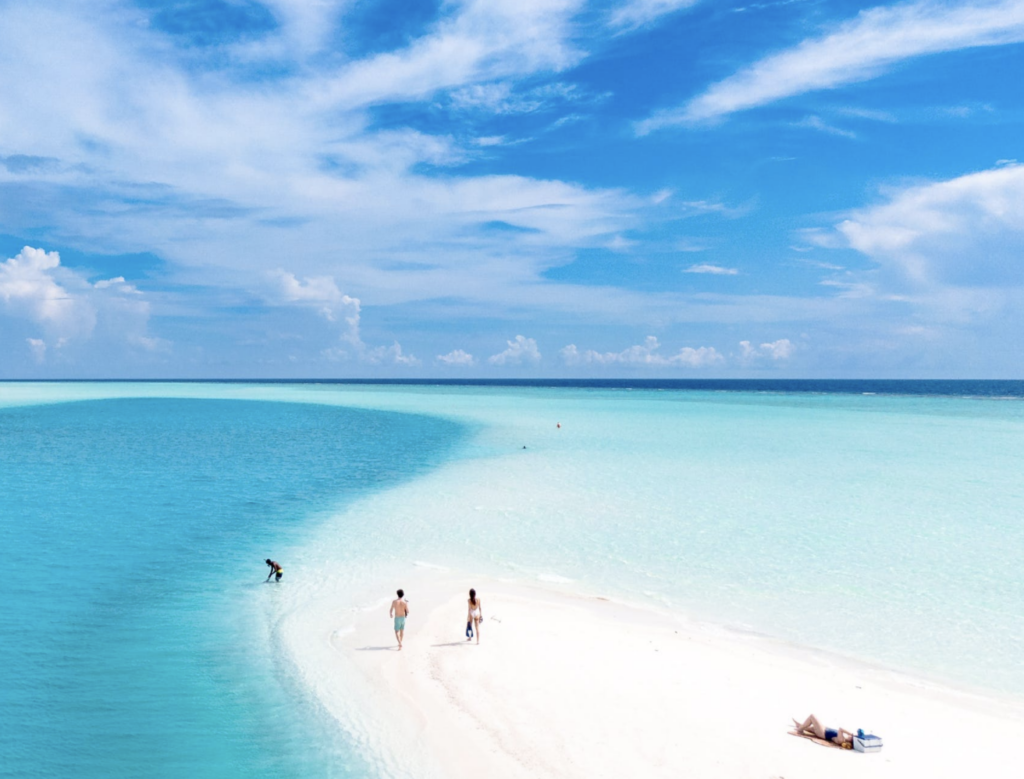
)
(564, 685)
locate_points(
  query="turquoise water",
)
(133, 535)
(884, 528)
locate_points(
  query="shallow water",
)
(134, 533)
(883, 527)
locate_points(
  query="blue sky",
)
(648, 188)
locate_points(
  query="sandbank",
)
(564, 684)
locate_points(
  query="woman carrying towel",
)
(474, 617)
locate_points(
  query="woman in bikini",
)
(475, 615)
(813, 728)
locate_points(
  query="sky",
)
(511, 189)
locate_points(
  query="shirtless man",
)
(399, 610)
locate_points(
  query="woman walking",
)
(474, 617)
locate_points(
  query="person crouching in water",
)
(275, 570)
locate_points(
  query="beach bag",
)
(868, 743)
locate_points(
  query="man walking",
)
(399, 610)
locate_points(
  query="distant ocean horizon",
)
(966, 388)
(876, 519)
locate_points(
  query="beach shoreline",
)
(570, 684)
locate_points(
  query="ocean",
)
(880, 521)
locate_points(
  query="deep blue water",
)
(132, 532)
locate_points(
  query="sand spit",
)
(564, 685)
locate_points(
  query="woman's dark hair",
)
(401, 594)
(472, 597)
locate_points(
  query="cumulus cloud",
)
(28, 286)
(222, 170)
(965, 231)
(519, 351)
(321, 294)
(67, 307)
(319, 289)
(856, 50)
(644, 354)
(279, 154)
(388, 355)
(715, 270)
(457, 357)
(775, 350)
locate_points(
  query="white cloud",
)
(637, 13)
(776, 350)
(856, 50)
(128, 128)
(38, 347)
(484, 40)
(519, 351)
(318, 289)
(457, 357)
(715, 270)
(493, 97)
(219, 176)
(819, 124)
(870, 114)
(644, 354)
(489, 140)
(568, 119)
(322, 294)
(850, 289)
(28, 286)
(119, 284)
(306, 24)
(336, 354)
(388, 355)
(397, 150)
(966, 231)
(712, 207)
(392, 355)
(502, 97)
(68, 308)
